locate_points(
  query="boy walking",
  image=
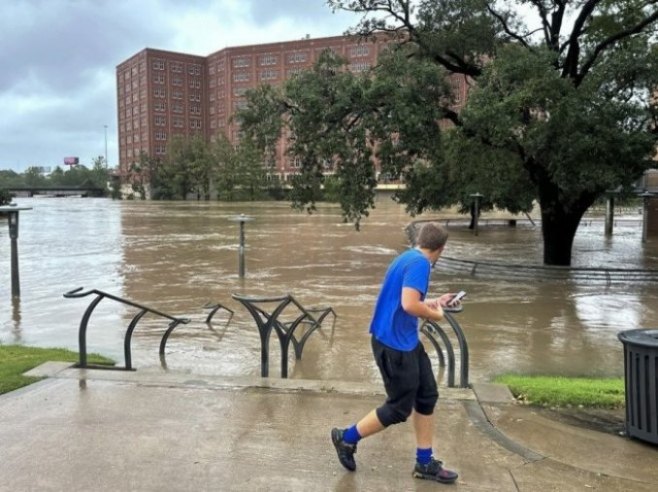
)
(403, 363)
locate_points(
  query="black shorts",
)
(409, 381)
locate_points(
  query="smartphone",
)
(458, 297)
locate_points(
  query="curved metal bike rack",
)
(266, 321)
(143, 310)
(432, 330)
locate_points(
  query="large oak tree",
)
(558, 113)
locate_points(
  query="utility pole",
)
(105, 126)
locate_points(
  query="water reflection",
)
(177, 257)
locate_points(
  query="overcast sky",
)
(58, 59)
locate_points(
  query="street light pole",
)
(105, 126)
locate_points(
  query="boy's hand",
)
(446, 300)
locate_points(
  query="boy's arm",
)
(413, 305)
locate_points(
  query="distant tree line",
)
(197, 169)
(78, 176)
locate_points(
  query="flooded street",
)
(177, 256)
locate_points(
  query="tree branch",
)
(506, 28)
(571, 63)
(609, 42)
(544, 20)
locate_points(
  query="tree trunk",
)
(559, 223)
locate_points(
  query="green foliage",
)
(5, 197)
(17, 359)
(564, 391)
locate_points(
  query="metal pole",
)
(609, 215)
(241, 251)
(15, 283)
(105, 126)
(13, 234)
(645, 213)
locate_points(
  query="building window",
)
(269, 74)
(241, 62)
(239, 104)
(177, 94)
(456, 89)
(159, 92)
(176, 67)
(177, 108)
(194, 69)
(291, 72)
(160, 121)
(240, 76)
(158, 64)
(195, 109)
(195, 96)
(269, 59)
(298, 57)
(359, 50)
(240, 91)
(359, 67)
(160, 135)
(178, 123)
(176, 80)
(159, 106)
(158, 78)
(195, 84)
(160, 149)
(195, 124)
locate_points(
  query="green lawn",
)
(17, 359)
(565, 391)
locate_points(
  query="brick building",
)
(161, 94)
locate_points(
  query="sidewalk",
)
(83, 430)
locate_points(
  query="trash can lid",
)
(647, 337)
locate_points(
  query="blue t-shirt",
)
(392, 325)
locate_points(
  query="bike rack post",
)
(431, 329)
(143, 310)
(266, 321)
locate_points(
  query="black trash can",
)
(641, 372)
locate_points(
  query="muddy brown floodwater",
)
(177, 256)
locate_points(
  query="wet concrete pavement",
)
(83, 430)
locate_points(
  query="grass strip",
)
(559, 391)
(17, 359)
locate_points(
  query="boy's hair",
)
(432, 236)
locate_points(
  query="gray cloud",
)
(57, 86)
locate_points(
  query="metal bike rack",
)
(100, 295)
(432, 330)
(266, 321)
